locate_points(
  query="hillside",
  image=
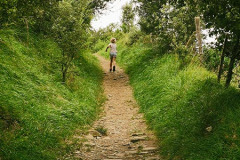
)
(38, 114)
(193, 116)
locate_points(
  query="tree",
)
(71, 31)
(224, 18)
(98, 5)
(127, 17)
(40, 14)
(37, 13)
(171, 22)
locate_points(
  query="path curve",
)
(127, 135)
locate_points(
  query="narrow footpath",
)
(121, 132)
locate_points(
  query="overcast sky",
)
(112, 14)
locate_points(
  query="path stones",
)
(138, 134)
(89, 137)
(113, 159)
(77, 152)
(152, 158)
(150, 149)
(89, 144)
(95, 134)
(131, 152)
(106, 138)
(138, 138)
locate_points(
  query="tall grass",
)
(193, 116)
(38, 114)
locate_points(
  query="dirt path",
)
(127, 136)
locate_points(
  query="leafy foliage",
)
(38, 13)
(224, 18)
(127, 17)
(167, 22)
(70, 30)
(172, 23)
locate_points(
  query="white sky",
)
(112, 14)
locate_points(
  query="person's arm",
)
(109, 46)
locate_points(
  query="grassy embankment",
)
(192, 115)
(38, 114)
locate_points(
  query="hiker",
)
(113, 54)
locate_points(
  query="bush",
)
(212, 59)
(99, 45)
(134, 36)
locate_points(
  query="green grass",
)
(181, 103)
(38, 114)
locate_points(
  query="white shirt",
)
(113, 47)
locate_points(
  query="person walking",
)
(113, 54)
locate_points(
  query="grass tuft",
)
(102, 130)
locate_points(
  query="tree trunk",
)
(231, 65)
(230, 71)
(222, 60)
(64, 76)
(198, 35)
(64, 73)
(27, 28)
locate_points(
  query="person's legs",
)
(111, 61)
(114, 63)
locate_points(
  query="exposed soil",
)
(121, 132)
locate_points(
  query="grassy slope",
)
(181, 103)
(38, 114)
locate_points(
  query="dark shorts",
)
(113, 55)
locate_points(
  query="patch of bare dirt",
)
(121, 133)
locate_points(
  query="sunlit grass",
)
(38, 113)
(192, 115)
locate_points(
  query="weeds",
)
(102, 130)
